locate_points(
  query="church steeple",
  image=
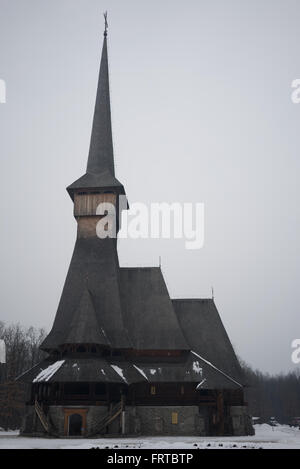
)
(101, 155)
(100, 171)
(90, 310)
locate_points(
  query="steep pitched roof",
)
(204, 331)
(101, 154)
(100, 171)
(94, 265)
(84, 327)
(148, 310)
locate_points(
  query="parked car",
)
(256, 420)
(295, 422)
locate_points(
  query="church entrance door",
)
(75, 425)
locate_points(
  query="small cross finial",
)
(105, 23)
(212, 293)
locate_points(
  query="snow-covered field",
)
(281, 437)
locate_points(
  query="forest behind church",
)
(267, 395)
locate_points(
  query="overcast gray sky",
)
(202, 112)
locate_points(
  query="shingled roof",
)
(193, 370)
(148, 311)
(203, 329)
(100, 171)
(72, 370)
(84, 327)
(94, 267)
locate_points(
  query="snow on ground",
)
(8, 432)
(281, 437)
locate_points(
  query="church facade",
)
(123, 357)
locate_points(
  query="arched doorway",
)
(75, 422)
(75, 425)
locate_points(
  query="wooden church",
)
(123, 357)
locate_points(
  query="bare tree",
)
(22, 352)
(272, 395)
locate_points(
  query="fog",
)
(201, 112)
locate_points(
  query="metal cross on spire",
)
(105, 23)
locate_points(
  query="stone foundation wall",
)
(56, 418)
(146, 420)
(241, 421)
(142, 420)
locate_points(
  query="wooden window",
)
(174, 418)
(153, 390)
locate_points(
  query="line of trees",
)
(267, 396)
(272, 395)
(22, 352)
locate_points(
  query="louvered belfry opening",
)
(123, 357)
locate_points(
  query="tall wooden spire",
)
(100, 171)
(101, 155)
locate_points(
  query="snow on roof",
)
(119, 371)
(217, 369)
(2, 351)
(200, 384)
(197, 368)
(141, 371)
(46, 374)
